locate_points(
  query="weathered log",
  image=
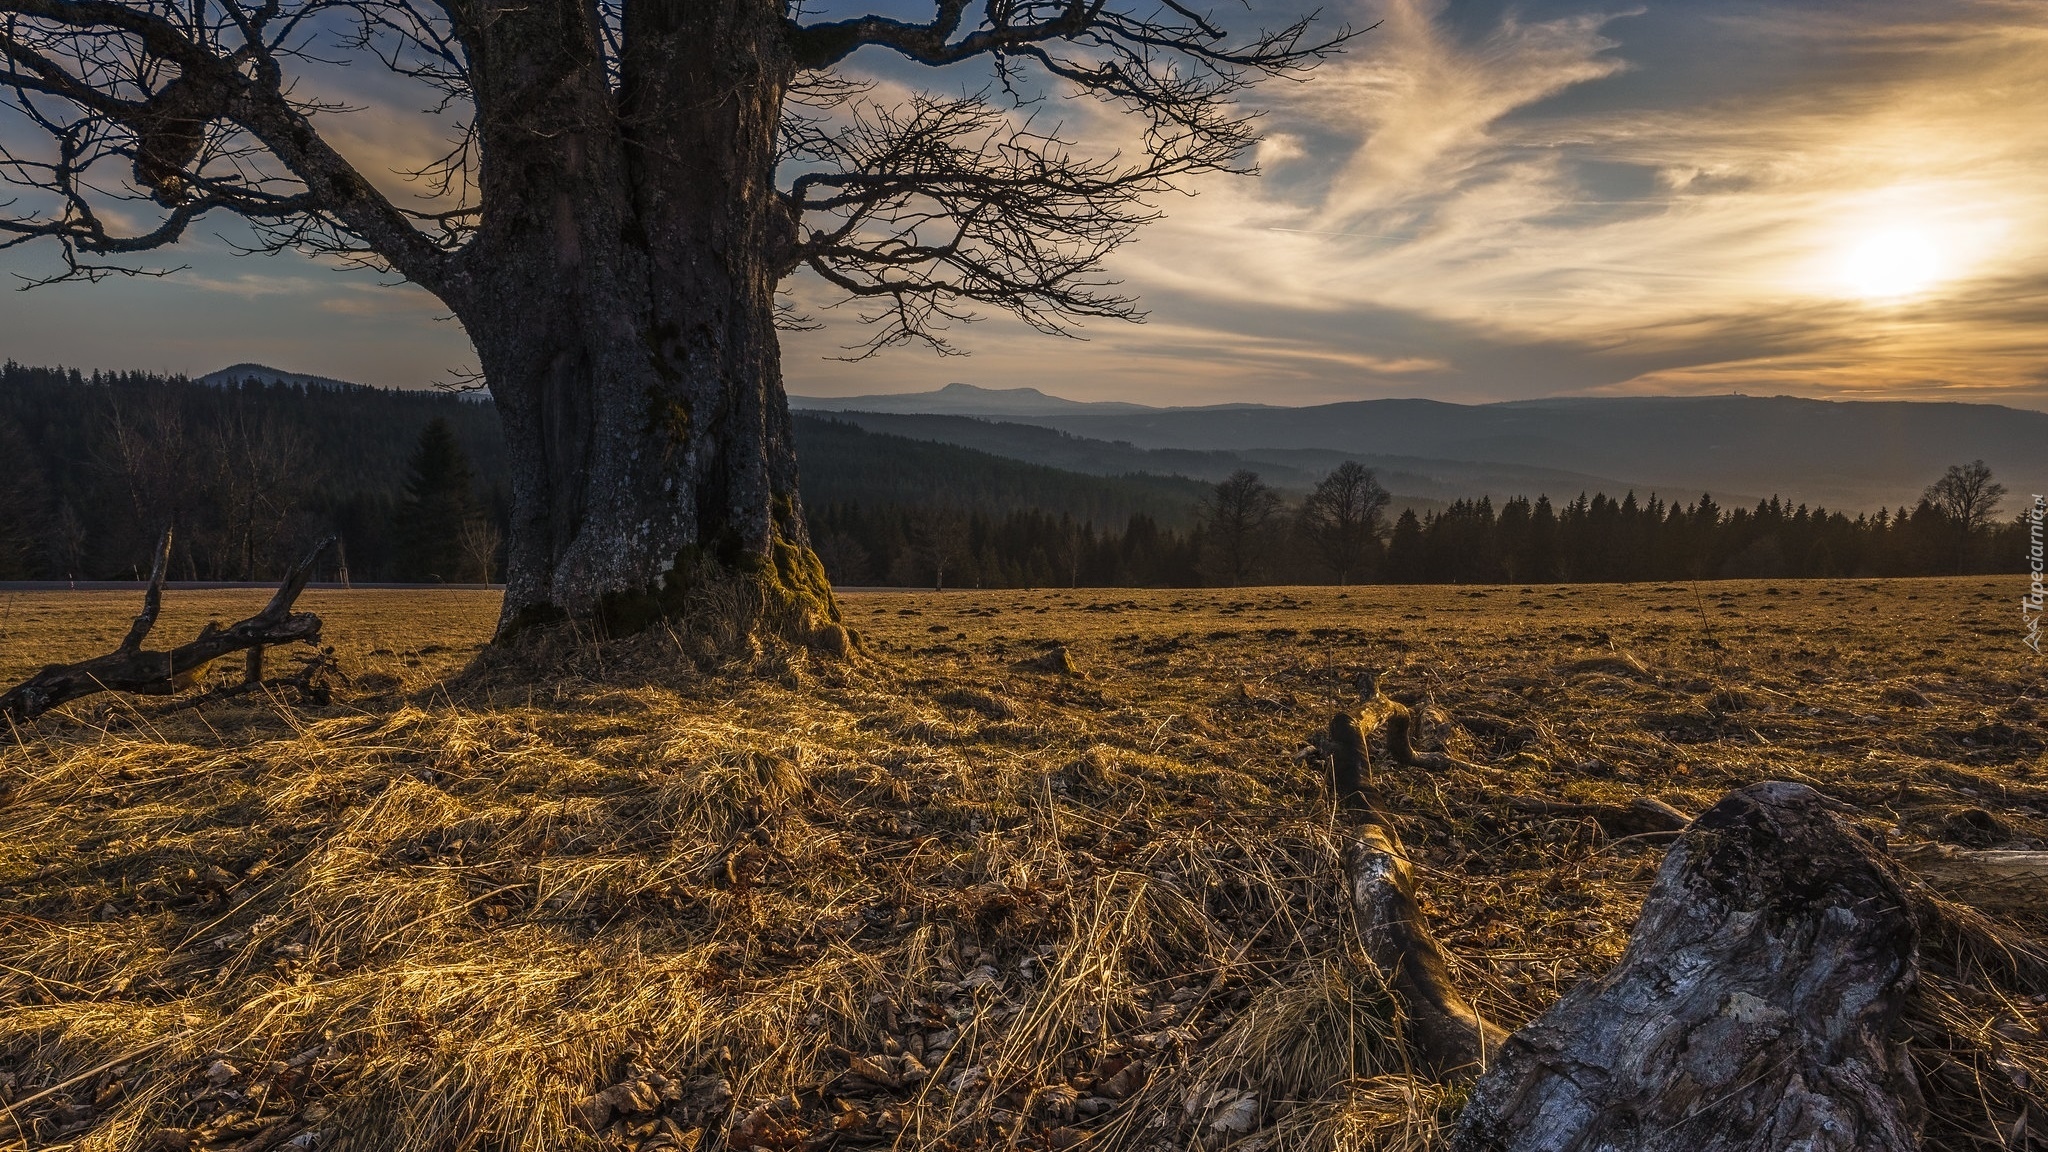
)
(1444, 1032)
(129, 668)
(1752, 1009)
(1953, 889)
(1995, 878)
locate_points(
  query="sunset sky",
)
(1479, 201)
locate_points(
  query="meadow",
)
(1037, 869)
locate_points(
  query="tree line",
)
(1340, 532)
(249, 473)
(415, 483)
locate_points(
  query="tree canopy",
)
(154, 114)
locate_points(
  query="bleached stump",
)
(1750, 1012)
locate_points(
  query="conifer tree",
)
(438, 502)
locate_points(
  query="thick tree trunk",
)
(623, 309)
(1754, 1009)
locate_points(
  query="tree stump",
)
(1751, 1010)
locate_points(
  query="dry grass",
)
(958, 895)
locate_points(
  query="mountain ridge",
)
(1852, 454)
(959, 399)
(1855, 454)
(237, 373)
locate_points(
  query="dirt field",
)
(945, 896)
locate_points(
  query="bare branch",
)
(192, 100)
(152, 600)
(951, 203)
(948, 204)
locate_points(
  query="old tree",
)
(631, 182)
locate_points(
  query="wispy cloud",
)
(1723, 237)
(1569, 181)
(1478, 201)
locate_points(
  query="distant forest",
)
(415, 484)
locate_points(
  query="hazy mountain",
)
(1854, 455)
(845, 464)
(1049, 446)
(968, 400)
(236, 373)
(1415, 482)
(1843, 454)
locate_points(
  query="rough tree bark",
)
(621, 301)
(1752, 1010)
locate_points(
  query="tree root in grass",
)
(1345, 749)
(1789, 982)
(1444, 1032)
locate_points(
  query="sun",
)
(1891, 265)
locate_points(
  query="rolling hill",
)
(1856, 455)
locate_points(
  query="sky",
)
(1478, 201)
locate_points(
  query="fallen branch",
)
(1642, 816)
(313, 683)
(1444, 1032)
(129, 668)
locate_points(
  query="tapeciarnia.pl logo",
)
(2031, 603)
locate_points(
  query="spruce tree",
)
(1405, 550)
(438, 501)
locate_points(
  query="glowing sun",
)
(1891, 265)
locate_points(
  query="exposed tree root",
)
(1642, 816)
(1785, 979)
(1444, 1032)
(1378, 711)
(130, 669)
(1345, 747)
